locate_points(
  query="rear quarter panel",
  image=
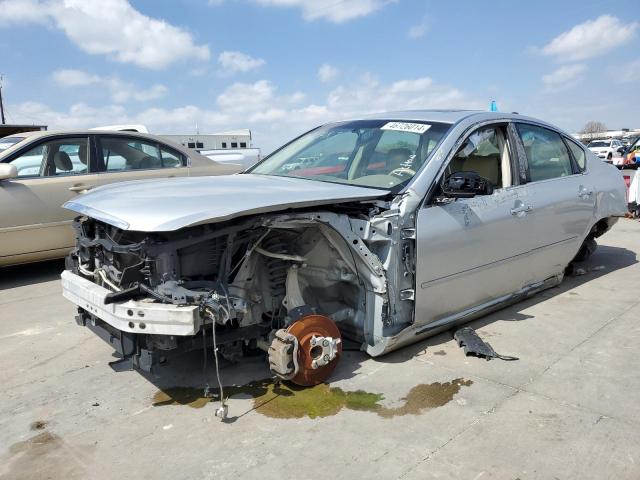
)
(611, 191)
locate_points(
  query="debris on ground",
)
(577, 271)
(474, 346)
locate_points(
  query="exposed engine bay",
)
(295, 285)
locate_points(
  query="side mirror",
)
(622, 150)
(8, 170)
(466, 185)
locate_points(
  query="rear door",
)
(471, 251)
(123, 158)
(562, 195)
(32, 221)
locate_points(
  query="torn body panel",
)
(270, 261)
(263, 271)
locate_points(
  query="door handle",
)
(521, 209)
(80, 188)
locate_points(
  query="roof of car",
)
(446, 116)
(35, 135)
(442, 116)
(50, 133)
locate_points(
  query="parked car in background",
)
(608, 150)
(383, 230)
(45, 169)
(245, 157)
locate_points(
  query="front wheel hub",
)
(319, 349)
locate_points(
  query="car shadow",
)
(30, 274)
(604, 261)
(188, 370)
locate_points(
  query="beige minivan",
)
(45, 169)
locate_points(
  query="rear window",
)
(547, 155)
(578, 154)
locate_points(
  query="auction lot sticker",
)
(419, 128)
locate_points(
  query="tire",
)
(610, 157)
(586, 250)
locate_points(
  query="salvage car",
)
(40, 171)
(379, 231)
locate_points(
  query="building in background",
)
(9, 129)
(232, 139)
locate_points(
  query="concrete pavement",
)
(569, 408)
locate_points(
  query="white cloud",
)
(238, 62)
(247, 97)
(21, 11)
(109, 27)
(334, 11)
(419, 30)
(627, 74)
(590, 39)
(274, 117)
(120, 91)
(74, 78)
(565, 76)
(327, 73)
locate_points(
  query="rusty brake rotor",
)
(319, 348)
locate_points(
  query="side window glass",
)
(547, 154)
(170, 159)
(578, 155)
(54, 158)
(29, 164)
(481, 153)
(123, 154)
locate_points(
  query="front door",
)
(33, 225)
(473, 250)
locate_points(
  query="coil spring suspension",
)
(276, 268)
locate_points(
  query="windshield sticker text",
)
(418, 128)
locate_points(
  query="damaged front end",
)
(294, 285)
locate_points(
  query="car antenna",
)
(4, 122)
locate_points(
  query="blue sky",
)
(280, 67)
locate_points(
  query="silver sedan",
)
(381, 230)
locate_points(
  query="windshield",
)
(598, 144)
(372, 153)
(7, 142)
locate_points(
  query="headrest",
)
(62, 162)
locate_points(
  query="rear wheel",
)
(586, 250)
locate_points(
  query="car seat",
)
(62, 162)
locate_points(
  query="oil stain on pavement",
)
(44, 455)
(283, 400)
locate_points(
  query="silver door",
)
(472, 250)
(562, 196)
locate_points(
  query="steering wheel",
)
(402, 171)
